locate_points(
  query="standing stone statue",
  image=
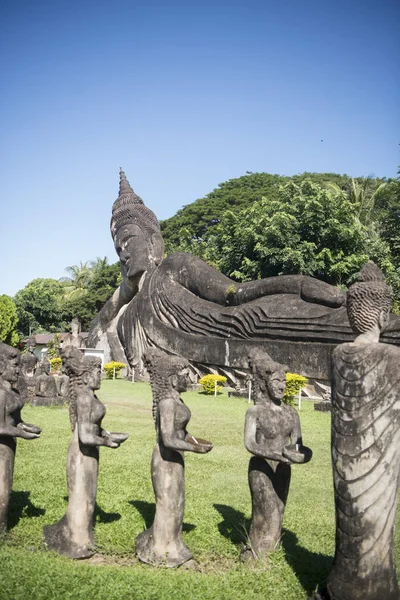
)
(73, 338)
(162, 544)
(273, 435)
(63, 385)
(11, 424)
(365, 447)
(73, 535)
(46, 393)
(27, 380)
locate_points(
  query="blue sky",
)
(183, 95)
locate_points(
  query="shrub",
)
(294, 383)
(55, 363)
(208, 383)
(111, 366)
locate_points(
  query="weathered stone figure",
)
(162, 544)
(11, 425)
(184, 306)
(73, 535)
(365, 447)
(273, 434)
(29, 363)
(63, 385)
(29, 360)
(73, 338)
(46, 393)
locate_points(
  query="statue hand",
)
(29, 428)
(118, 437)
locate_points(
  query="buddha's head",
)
(369, 300)
(136, 233)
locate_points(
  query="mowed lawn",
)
(217, 510)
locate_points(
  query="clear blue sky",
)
(183, 94)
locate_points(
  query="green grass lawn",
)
(216, 516)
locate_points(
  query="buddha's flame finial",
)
(124, 187)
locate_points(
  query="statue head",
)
(30, 344)
(83, 371)
(269, 376)
(9, 363)
(136, 233)
(44, 367)
(75, 327)
(369, 300)
(166, 372)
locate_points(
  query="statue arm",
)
(19, 429)
(122, 296)
(250, 441)
(206, 282)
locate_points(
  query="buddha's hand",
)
(27, 431)
(114, 440)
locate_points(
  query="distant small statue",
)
(11, 424)
(74, 339)
(29, 360)
(273, 435)
(63, 385)
(73, 535)
(46, 393)
(26, 380)
(162, 544)
(365, 447)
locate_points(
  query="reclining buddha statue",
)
(184, 306)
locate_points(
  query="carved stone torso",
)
(366, 458)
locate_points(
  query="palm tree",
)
(364, 194)
(77, 284)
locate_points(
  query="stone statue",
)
(273, 435)
(184, 306)
(11, 424)
(46, 393)
(365, 447)
(63, 385)
(73, 338)
(26, 380)
(29, 360)
(73, 535)
(162, 544)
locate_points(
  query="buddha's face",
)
(276, 385)
(133, 251)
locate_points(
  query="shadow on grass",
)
(310, 568)
(100, 516)
(235, 525)
(148, 511)
(21, 506)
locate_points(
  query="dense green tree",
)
(307, 230)
(197, 222)
(8, 321)
(40, 306)
(104, 281)
(200, 218)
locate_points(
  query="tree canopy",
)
(8, 321)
